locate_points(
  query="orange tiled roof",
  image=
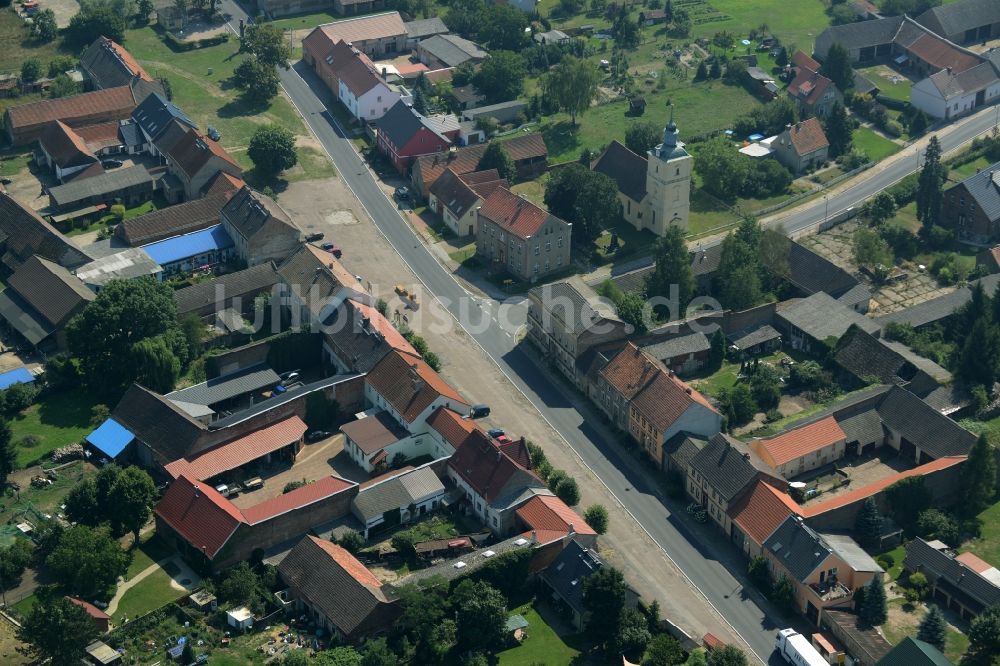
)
(110, 100)
(296, 499)
(197, 512)
(547, 512)
(92, 610)
(789, 446)
(409, 384)
(348, 563)
(239, 451)
(514, 213)
(129, 60)
(880, 485)
(451, 425)
(972, 561)
(807, 136)
(389, 333)
(630, 371)
(760, 511)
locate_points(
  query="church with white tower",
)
(655, 189)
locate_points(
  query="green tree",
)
(568, 491)
(783, 593)
(597, 517)
(573, 85)
(501, 76)
(730, 655)
(874, 610)
(338, 656)
(870, 249)
(144, 9)
(63, 86)
(868, 524)
(929, 193)
(631, 634)
(717, 353)
(643, 136)
(155, 364)
(87, 560)
(57, 629)
(979, 359)
(838, 130)
(837, 67)
(481, 617)
(738, 404)
(933, 628)
(672, 271)
(631, 309)
(738, 283)
(8, 452)
(130, 500)
(625, 31)
(240, 584)
(496, 157)
(984, 635)
(31, 70)
(715, 70)
(420, 102)
(258, 81)
(272, 149)
(377, 653)
(93, 21)
(502, 28)
(43, 26)
(267, 42)
(421, 618)
(701, 73)
(664, 650)
(721, 167)
(908, 498)
(351, 541)
(979, 479)
(604, 595)
(879, 208)
(918, 123)
(105, 332)
(586, 198)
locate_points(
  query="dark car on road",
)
(332, 249)
(111, 164)
(317, 435)
(479, 411)
(312, 238)
(402, 193)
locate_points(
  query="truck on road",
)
(797, 650)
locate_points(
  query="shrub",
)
(292, 485)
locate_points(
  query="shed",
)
(241, 618)
(16, 376)
(103, 654)
(516, 624)
(204, 600)
(110, 438)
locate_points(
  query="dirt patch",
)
(10, 647)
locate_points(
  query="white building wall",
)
(926, 97)
(697, 420)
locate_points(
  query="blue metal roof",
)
(110, 438)
(179, 248)
(16, 376)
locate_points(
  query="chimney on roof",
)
(197, 490)
(746, 456)
(687, 389)
(571, 531)
(385, 72)
(534, 536)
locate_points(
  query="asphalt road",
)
(700, 554)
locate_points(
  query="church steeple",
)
(670, 133)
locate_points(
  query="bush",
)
(904, 191)
(292, 485)
(893, 128)
(772, 415)
(180, 46)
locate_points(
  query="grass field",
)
(875, 146)
(890, 83)
(44, 500)
(897, 554)
(18, 46)
(149, 594)
(200, 81)
(708, 215)
(963, 171)
(542, 646)
(987, 546)
(903, 622)
(61, 419)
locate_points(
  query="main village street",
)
(699, 566)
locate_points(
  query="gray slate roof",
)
(691, 343)
(401, 122)
(425, 28)
(864, 427)
(955, 578)
(798, 547)
(928, 429)
(858, 35)
(745, 338)
(984, 187)
(227, 386)
(954, 19)
(820, 316)
(100, 185)
(397, 492)
(627, 169)
(974, 79)
(812, 273)
(452, 50)
(156, 112)
(568, 571)
(729, 466)
(25, 234)
(250, 280)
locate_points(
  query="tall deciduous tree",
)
(573, 85)
(838, 130)
(502, 27)
(984, 635)
(87, 560)
(267, 42)
(929, 184)
(604, 595)
(258, 81)
(643, 136)
(482, 615)
(103, 335)
(879, 208)
(57, 629)
(44, 25)
(737, 281)
(501, 76)
(272, 149)
(979, 480)
(130, 499)
(496, 157)
(722, 169)
(156, 365)
(837, 67)
(8, 452)
(672, 271)
(730, 655)
(586, 198)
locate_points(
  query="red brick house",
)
(101, 619)
(972, 207)
(403, 135)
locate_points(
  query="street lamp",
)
(826, 208)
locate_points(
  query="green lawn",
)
(542, 646)
(61, 419)
(890, 83)
(151, 550)
(18, 46)
(956, 643)
(715, 383)
(45, 500)
(897, 554)
(149, 594)
(875, 146)
(987, 546)
(306, 21)
(708, 215)
(963, 171)
(13, 162)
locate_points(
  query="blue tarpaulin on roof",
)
(110, 438)
(189, 245)
(16, 376)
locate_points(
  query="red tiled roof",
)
(760, 511)
(466, 159)
(409, 384)
(193, 150)
(481, 463)
(451, 426)
(375, 26)
(92, 610)
(516, 214)
(109, 100)
(348, 562)
(803, 61)
(202, 516)
(547, 512)
(880, 485)
(389, 333)
(630, 371)
(224, 183)
(100, 136)
(358, 75)
(296, 499)
(807, 136)
(941, 53)
(809, 87)
(65, 146)
(794, 444)
(239, 451)
(972, 561)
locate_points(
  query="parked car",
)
(5, 181)
(317, 435)
(332, 249)
(290, 375)
(256, 483)
(111, 164)
(402, 193)
(213, 133)
(503, 439)
(312, 238)
(223, 490)
(479, 411)
(495, 432)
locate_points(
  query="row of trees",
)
(728, 174)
